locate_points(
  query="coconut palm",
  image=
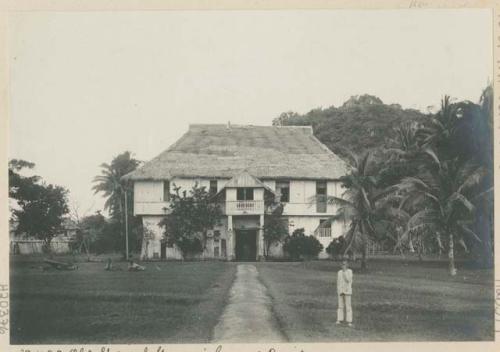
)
(450, 184)
(110, 185)
(358, 203)
(444, 197)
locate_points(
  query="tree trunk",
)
(451, 256)
(364, 251)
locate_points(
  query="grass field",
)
(393, 301)
(177, 302)
(169, 302)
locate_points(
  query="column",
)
(230, 238)
(260, 239)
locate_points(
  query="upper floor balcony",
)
(243, 207)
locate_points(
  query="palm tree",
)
(454, 182)
(444, 197)
(110, 185)
(358, 203)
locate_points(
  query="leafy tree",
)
(41, 206)
(299, 246)
(362, 123)
(191, 216)
(275, 228)
(336, 248)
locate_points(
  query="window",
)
(166, 191)
(321, 196)
(213, 187)
(325, 229)
(283, 189)
(217, 234)
(244, 194)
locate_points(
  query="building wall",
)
(151, 245)
(310, 224)
(302, 198)
(301, 212)
(148, 195)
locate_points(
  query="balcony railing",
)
(245, 207)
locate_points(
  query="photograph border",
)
(157, 5)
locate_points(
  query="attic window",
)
(166, 191)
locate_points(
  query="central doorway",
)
(246, 245)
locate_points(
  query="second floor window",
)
(283, 189)
(166, 191)
(244, 194)
(213, 187)
(321, 196)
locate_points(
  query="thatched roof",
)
(266, 152)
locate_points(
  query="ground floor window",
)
(325, 228)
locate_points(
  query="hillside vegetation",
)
(361, 123)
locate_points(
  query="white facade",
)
(243, 220)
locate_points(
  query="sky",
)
(86, 86)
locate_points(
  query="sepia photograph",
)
(250, 176)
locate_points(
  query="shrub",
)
(336, 248)
(299, 246)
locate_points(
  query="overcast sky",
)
(88, 86)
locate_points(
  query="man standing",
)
(344, 292)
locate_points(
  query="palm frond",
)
(433, 155)
(469, 232)
(338, 201)
(461, 199)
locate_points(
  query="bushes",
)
(299, 246)
(336, 248)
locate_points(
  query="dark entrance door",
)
(163, 250)
(246, 245)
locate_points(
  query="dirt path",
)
(248, 316)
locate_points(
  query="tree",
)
(299, 246)
(358, 203)
(41, 206)
(336, 248)
(361, 124)
(275, 228)
(191, 216)
(447, 184)
(116, 191)
(109, 183)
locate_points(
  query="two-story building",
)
(243, 166)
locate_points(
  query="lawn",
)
(392, 301)
(174, 302)
(169, 302)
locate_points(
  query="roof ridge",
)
(195, 125)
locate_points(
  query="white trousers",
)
(344, 303)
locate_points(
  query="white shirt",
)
(344, 282)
